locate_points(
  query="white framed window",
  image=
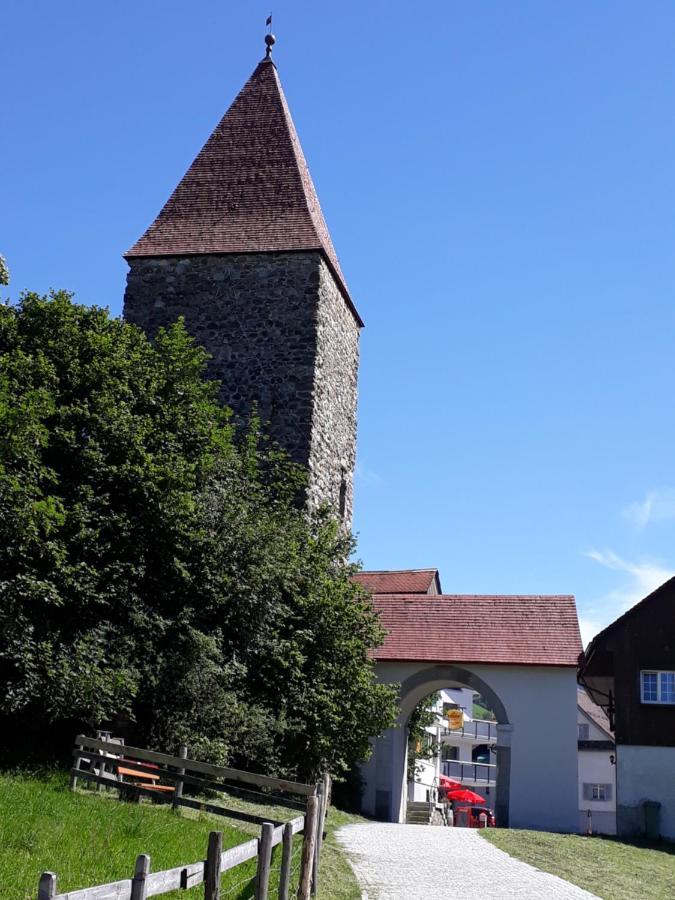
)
(584, 731)
(657, 686)
(597, 791)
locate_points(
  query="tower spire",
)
(242, 252)
(249, 189)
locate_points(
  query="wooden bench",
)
(165, 788)
(134, 773)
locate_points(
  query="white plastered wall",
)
(595, 767)
(540, 730)
(645, 773)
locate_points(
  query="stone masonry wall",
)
(279, 333)
(333, 453)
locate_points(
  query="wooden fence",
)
(180, 771)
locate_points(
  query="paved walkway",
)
(414, 862)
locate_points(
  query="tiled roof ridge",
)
(324, 239)
(248, 190)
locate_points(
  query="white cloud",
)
(657, 506)
(640, 579)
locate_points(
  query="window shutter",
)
(608, 792)
(588, 791)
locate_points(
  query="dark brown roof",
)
(515, 630)
(403, 581)
(594, 712)
(249, 189)
(666, 591)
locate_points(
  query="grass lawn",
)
(611, 868)
(89, 838)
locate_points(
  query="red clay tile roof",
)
(516, 630)
(249, 189)
(404, 581)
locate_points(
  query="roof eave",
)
(474, 662)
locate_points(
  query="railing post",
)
(286, 860)
(212, 868)
(317, 846)
(47, 886)
(139, 883)
(178, 791)
(262, 878)
(308, 848)
(76, 765)
(325, 789)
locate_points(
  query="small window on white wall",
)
(584, 731)
(597, 791)
(657, 686)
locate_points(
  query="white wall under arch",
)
(539, 735)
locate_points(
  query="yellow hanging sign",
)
(455, 719)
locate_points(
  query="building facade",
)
(629, 670)
(241, 250)
(520, 654)
(597, 768)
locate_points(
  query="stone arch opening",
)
(427, 681)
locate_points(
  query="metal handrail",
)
(454, 768)
(478, 730)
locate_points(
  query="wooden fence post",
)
(325, 788)
(76, 765)
(262, 878)
(308, 845)
(317, 847)
(212, 868)
(47, 886)
(139, 883)
(286, 862)
(178, 791)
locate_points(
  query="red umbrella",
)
(466, 796)
(449, 783)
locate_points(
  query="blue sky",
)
(499, 181)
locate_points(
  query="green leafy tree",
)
(4, 271)
(421, 745)
(158, 574)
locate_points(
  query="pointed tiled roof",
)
(249, 189)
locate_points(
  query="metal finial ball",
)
(270, 39)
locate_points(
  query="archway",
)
(429, 680)
(520, 653)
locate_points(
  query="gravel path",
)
(414, 862)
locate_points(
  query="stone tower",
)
(242, 251)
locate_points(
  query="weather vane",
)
(270, 40)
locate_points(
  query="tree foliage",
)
(157, 573)
(421, 744)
